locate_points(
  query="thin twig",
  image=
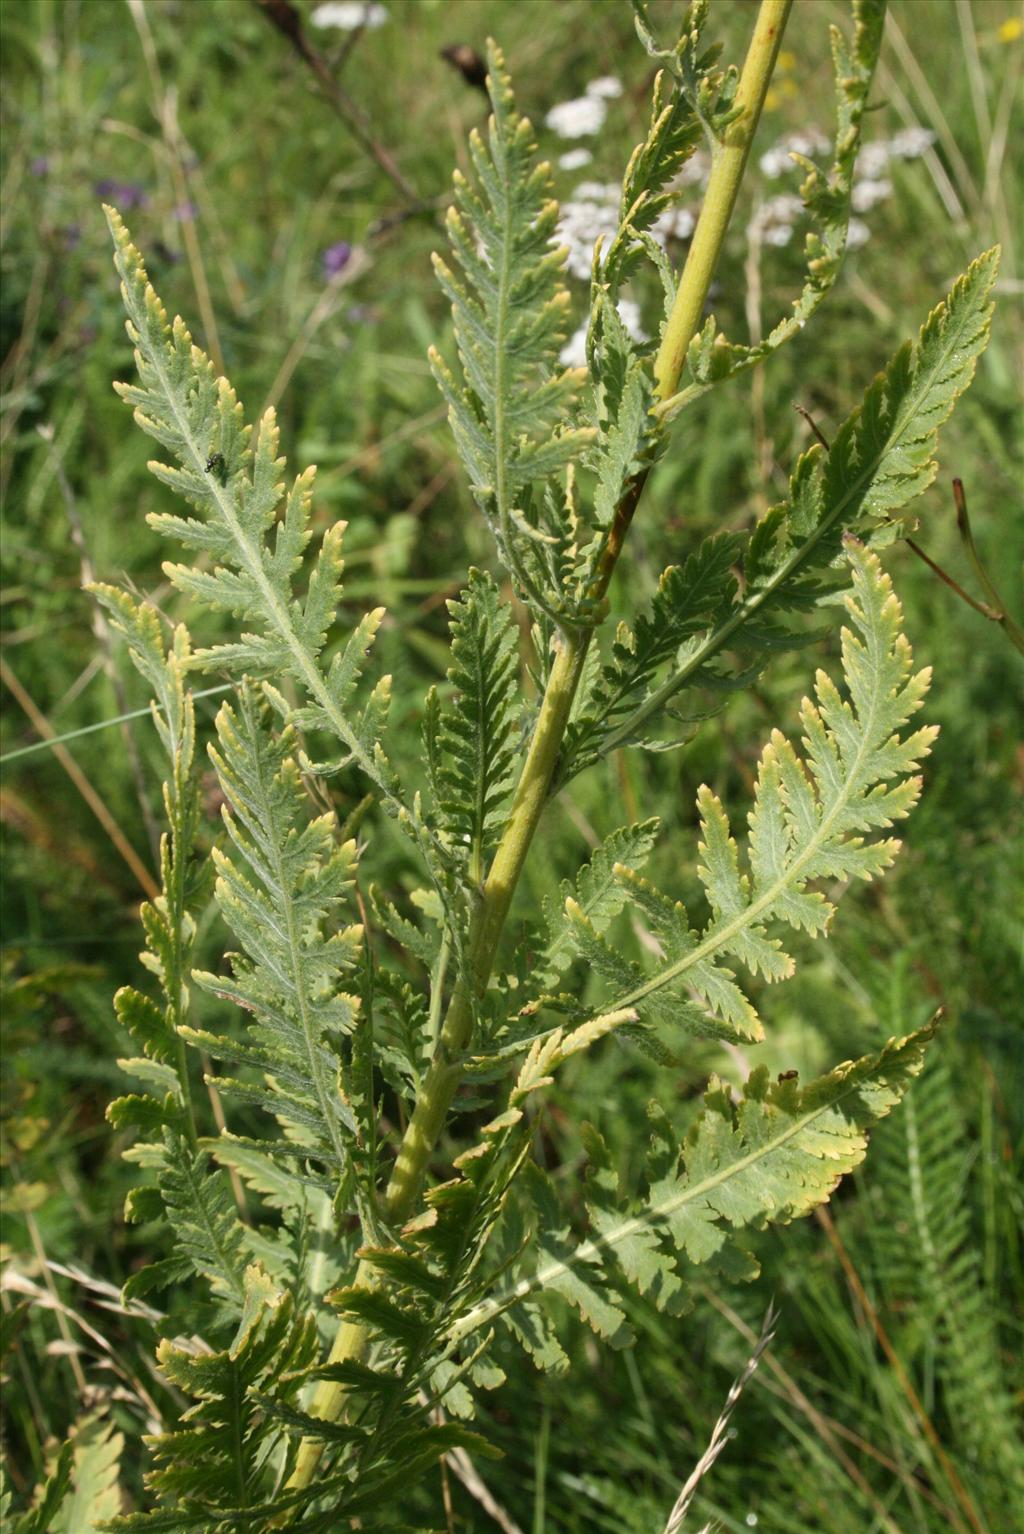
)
(827, 1428)
(284, 16)
(802, 410)
(996, 612)
(999, 614)
(463, 1468)
(947, 580)
(50, 742)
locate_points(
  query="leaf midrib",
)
(590, 1250)
(719, 938)
(250, 558)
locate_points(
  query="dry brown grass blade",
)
(102, 633)
(957, 1487)
(43, 727)
(827, 1430)
(462, 1467)
(44, 1296)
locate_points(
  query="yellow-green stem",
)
(445, 1073)
(729, 163)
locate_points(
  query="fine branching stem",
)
(445, 1073)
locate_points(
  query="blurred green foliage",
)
(243, 174)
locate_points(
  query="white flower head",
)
(777, 160)
(578, 118)
(858, 234)
(575, 159)
(604, 192)
(695, 171)
(607, 88)
(873, 160)
(911, 143)
(593, 209)
(349, 14)
(773, 222)
(574, 352)
(674, 224)
(808, 141)
(866, 194)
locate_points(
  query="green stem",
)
(446, 1071)
(729, 162)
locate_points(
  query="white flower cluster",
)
(585, 114)
(866, 194)
(578, 118)
(695, 171)
(593, 210)
(911, 143)
(607, 88)
(574, 352)
(349, 14)
(778, 159)
(773, 222)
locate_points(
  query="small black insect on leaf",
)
(215, 465)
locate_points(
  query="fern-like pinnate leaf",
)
(94, 1496)
(772, 1157)
(596, 892)
(219, 1460)
(168, 922)
(51, 1498)
(233, 478)
(510, 309)
(882, 458)
(471, 741)
(193, 1198)
(814, 819)
(690, 599)
(692, 99)
(209, 1237)
(438, 1271)
(928, 1264)
(280, 899)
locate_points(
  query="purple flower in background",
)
(335, 259)
(126, 194)
(40, 166)
(186, 212)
